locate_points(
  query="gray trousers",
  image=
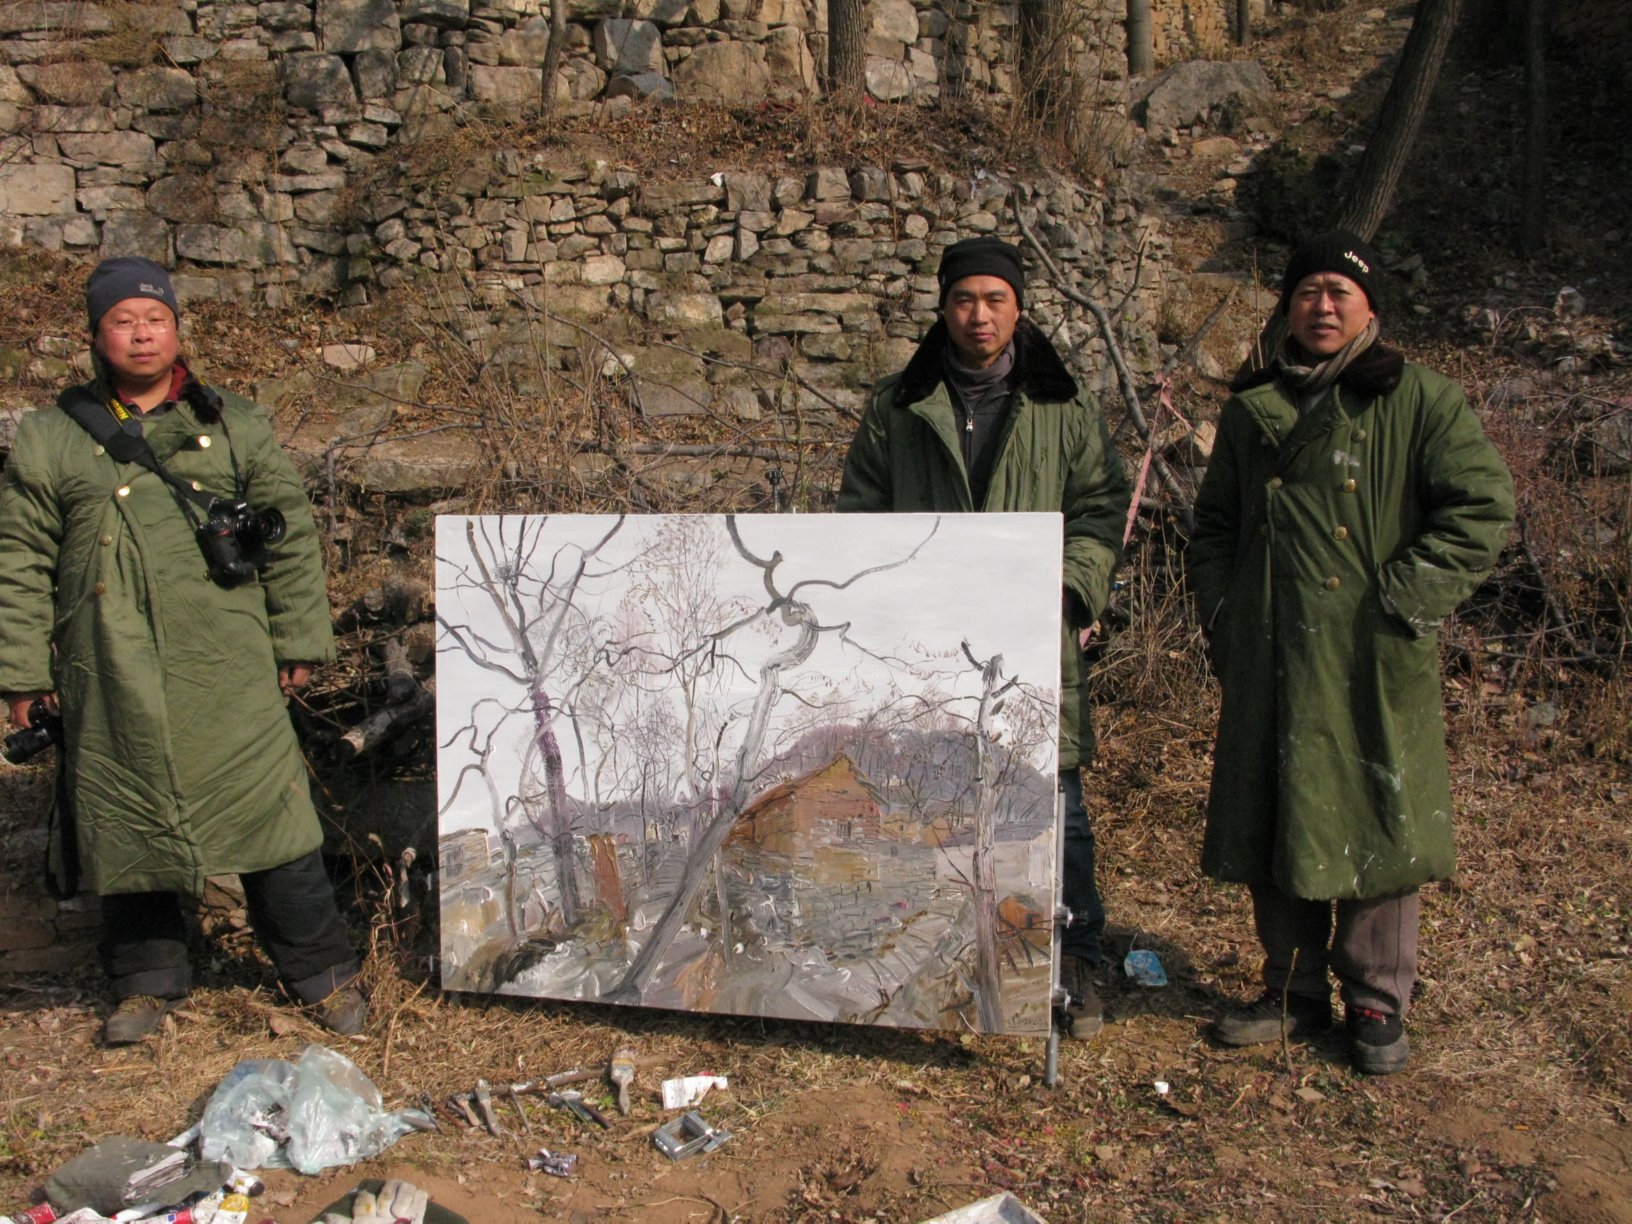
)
(1371, 947)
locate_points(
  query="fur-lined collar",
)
(1038, 370)
(1374, 372)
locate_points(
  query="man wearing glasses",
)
(161, 591)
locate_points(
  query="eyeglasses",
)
(123, 327)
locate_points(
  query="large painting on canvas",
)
(777, 765)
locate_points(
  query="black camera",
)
(44, 730)
(234, 539)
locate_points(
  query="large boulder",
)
(136, 232)
(893, 20)
(507, 88)
(730, 73)
(183, 197)
(28, 190)
(1187, 94)
(448, 14)
(888, 80)
(157, 88)
(312, 80)
(663, 12)
(344, 26)
(628, 48)
(791, 66)
(69, 82)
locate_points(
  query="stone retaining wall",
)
(262, 151)
(833, 270)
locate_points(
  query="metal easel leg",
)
(1058, 997)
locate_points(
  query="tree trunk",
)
(846, 64)
(558, 819)
(988, 975)
(552, 54)
(1041, 87)
(1141, 38)
(603, 852)
(1400, 117)
(1532, 223)
(1243, 22)
(512, 910)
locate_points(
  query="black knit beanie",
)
(982, 257)
(128, 276)
(1338, 251)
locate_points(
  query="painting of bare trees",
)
(779, 765)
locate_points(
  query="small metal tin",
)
(688, 1135)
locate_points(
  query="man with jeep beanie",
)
(986, 417)
(161, 592)
(1351, 502)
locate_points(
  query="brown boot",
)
(135, 1018)
(344, 1012)
(1084, 1014)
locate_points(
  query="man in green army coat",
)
(1352, 501)
(986, 417)
(169, 672)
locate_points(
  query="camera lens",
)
(270, 526)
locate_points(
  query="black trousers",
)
(291, 910)
(1080, 891)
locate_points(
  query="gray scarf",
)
(1309, 381)
(981, 399)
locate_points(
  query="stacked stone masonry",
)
(260, 149)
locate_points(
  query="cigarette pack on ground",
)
(685, 1092)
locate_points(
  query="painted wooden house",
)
(828, 806)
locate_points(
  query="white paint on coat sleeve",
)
(1393, 777)
(1342, 458)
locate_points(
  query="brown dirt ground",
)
(1516, 1106)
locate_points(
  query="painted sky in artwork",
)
(991, 580)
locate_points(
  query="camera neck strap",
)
(98, 420)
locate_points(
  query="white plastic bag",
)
(306, 1116)
(246, 1120)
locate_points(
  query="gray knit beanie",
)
(127, 276)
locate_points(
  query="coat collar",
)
(1375, 372)
(1039, 373)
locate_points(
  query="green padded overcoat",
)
(1327, 550)
(180, 758)
(1055, 455)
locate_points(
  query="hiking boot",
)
(1262, 1020)
(135, 1018)
(343, 1013)
(1377, 1042)
(1083, 1014)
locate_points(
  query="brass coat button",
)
(204, 441)
(1340, 533)
(1359, 435)
(123, 490)
(1349, 486)
(1275, 482)
(1333, 583)
(100, 589)
(105, 541)
(100, 450)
